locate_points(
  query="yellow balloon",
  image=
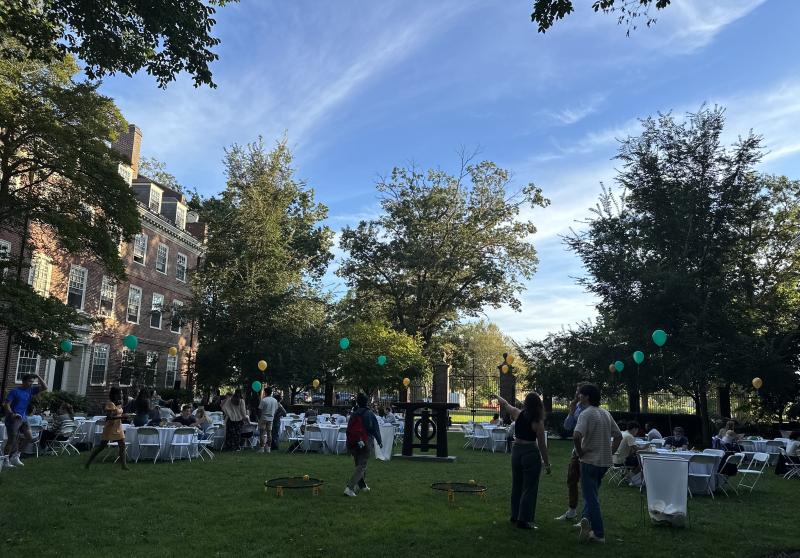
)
(262, 365)
(173, 351)
(406, 382)
(757, 383)
(504, 369)
(315, 383)
(510, 359)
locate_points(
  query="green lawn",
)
(52, 507)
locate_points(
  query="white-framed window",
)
(97, 376)
(40, 274)
(140, 248)
(134, 304)
(125, 172)
(181, 264)
(156, 310)
(5, 257)
(27, 363)
(127, 367)
(155, 200)
(162, 255)
(175, 318)
(172, 371)
(108, 295)
(76, 290)
(151, 365)
(180, 217)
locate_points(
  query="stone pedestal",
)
(405, 395)
(508, 390)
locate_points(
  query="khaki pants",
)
(358, 480)
(266, 432)
(573, 478)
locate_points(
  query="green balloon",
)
(131, 342)
(659, 337)
(619, 365)
(344, 342)
(638, 357)
(66, 346)
(256, 386)
(381, 360)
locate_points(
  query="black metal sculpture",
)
(426, 421)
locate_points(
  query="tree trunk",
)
(328, 391)
(702, 410)
(547, 400)
(645, 402)
(724, 395)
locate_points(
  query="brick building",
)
(158, 263)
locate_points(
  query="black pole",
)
(473, 387)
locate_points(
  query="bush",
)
(52, 400)
(180, 396)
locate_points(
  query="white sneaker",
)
(365, 489)
(348, 492)
(586, 529)
(567, 515)
(593, 538)
(268, 449)
(15, 461)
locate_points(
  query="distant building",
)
(159, 263)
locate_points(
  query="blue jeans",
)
(591, 475)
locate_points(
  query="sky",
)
(359, 87)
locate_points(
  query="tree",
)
(121, 36)
(547, 12)
(255, 294)
(445, 247)
(359, 366)
(57, 168)
(667, 254)
(155, 169)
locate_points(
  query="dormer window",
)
(155, 200)
(180, 217)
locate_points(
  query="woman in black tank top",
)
(528, 455)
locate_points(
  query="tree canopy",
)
(123, 36)
(445, 246)
(628, 12)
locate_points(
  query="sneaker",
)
(566, 516)
(268, 449)
(15, 461)
(350, 493)
(365, 489)
(586, 529)
(593, 538)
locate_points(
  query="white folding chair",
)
(667, 486)
(183, 438)
(723, 480)
(469, 430)
(65, 439)
(341, 438)
(480, 437)
(294, 437)
(36, 436)
(499, 438)
(703, 460)
(205, 442)
(148, 438)
(218, 439)
(774, 449)
(792, 465)
(754, 469)
(313, 438)
(749, 449)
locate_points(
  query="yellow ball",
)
(510, 359)
(315, 383)
(406, 382)
(173, 351)
(262, 365)
(757, 383)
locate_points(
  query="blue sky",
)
(360, 87)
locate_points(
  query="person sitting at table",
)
(141, 408)
(311, 418)
(625, 456)
(652, 432)
(34, 418)
(678, 439)
(65, 416)
(388, 415)
(730, 426)
(495, 420)
(154, 416)
(791, 454)
(185, 418)
(204, 421)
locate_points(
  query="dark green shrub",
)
(52, 400)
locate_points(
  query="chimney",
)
(128, 145)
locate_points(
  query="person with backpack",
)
(362, 426)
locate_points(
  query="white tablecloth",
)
(696, 485)
(165, 437)
(387, 439)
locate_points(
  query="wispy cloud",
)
(577, 113)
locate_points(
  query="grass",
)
(52, 507)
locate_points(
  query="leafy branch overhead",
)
(547, 12)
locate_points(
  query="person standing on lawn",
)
(16, 417)
(361, 428)
(266, 410)
(112, 429)
(591, 437)
(528, 454)
(574, 465)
